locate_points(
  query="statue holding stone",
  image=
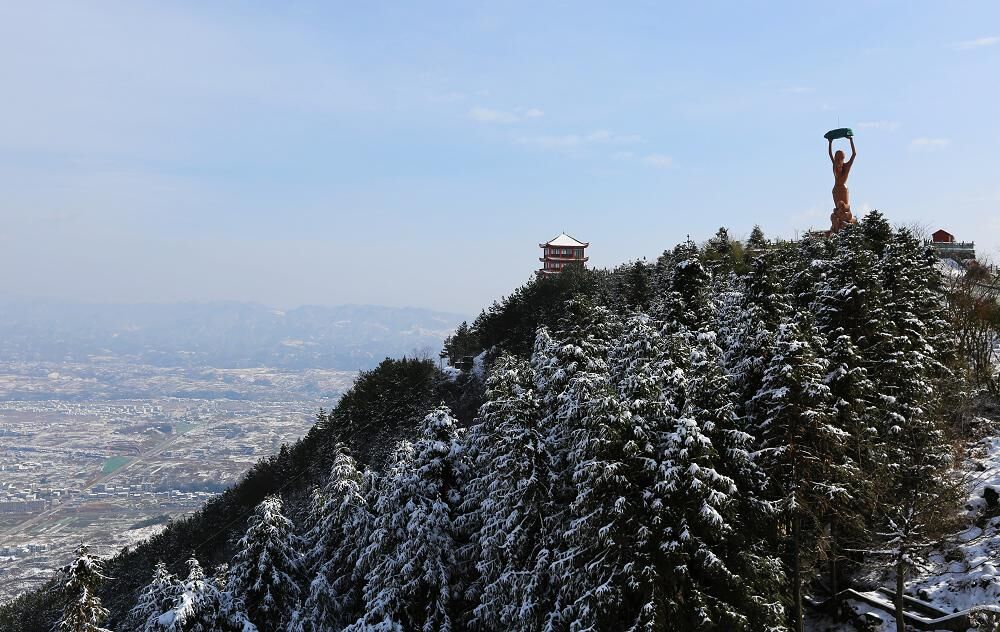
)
(841, 204)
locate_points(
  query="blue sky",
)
(417, 153)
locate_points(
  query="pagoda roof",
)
(564, 240)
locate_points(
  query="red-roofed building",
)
(561, 251)
(941, 236)
(947, 248)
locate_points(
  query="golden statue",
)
(841, 204)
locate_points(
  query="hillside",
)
(707, 442)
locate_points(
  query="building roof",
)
(942, 235)
(564, 240)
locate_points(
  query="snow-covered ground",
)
(965, 572)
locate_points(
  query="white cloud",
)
(798, 89)
(928, 144)
(981, 42)
(566, 141)
(489, 115)
(447, 97)
(551, 142)
(660, 161)
(886, 126)
(604, 136)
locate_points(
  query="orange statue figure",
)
(842, 207)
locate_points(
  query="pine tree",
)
(747, 320)
(876, 232)
(756, 242)
(416, 582)
(908, 365)
(574, 373)
(722, 253)
(910, 370)
(155, 599)
(644, 377)
(506, 500)
(590, 566)
(802, 448)
(232, 608)
(337, 539)
(565, 371)
(198, 606)
(637, 287)
(83, 611)
(686, 302)
(850, 320)
(719, 576)
(266, 570)
(386, 534)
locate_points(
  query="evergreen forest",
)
(716, 440)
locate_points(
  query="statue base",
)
(840, 218)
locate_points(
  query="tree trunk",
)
(834, 587)
(796, 575)
(900, 622)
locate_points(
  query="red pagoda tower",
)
(560, 252)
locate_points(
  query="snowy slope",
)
(965, 574)
(965, 571)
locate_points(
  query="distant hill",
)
(219, 334)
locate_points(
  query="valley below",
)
(108, 451)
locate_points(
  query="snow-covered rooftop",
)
(565, 240)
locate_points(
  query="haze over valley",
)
(116, 418)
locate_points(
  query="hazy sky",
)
(416, 153)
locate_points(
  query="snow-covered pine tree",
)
(338, 536)
(198, 606)
(415, 581)
(802, 449)
(298, 621)
(746, 322)
(572, 377)
(876, 232)
(83, 611)
(543, 366)
(909, 368)
(636, 288)
(719, 576)
(157, 597)
(850, 319)
(563, 370)
(506, 498)
(644, 377)
(908, 365)
(232, 608)
(756, 242)
(722, 253)
(382, 539)
(686, 300)
(312, 550)
(799, 266)
(590, 567)
(266, 572)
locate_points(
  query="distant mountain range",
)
(219, 334)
